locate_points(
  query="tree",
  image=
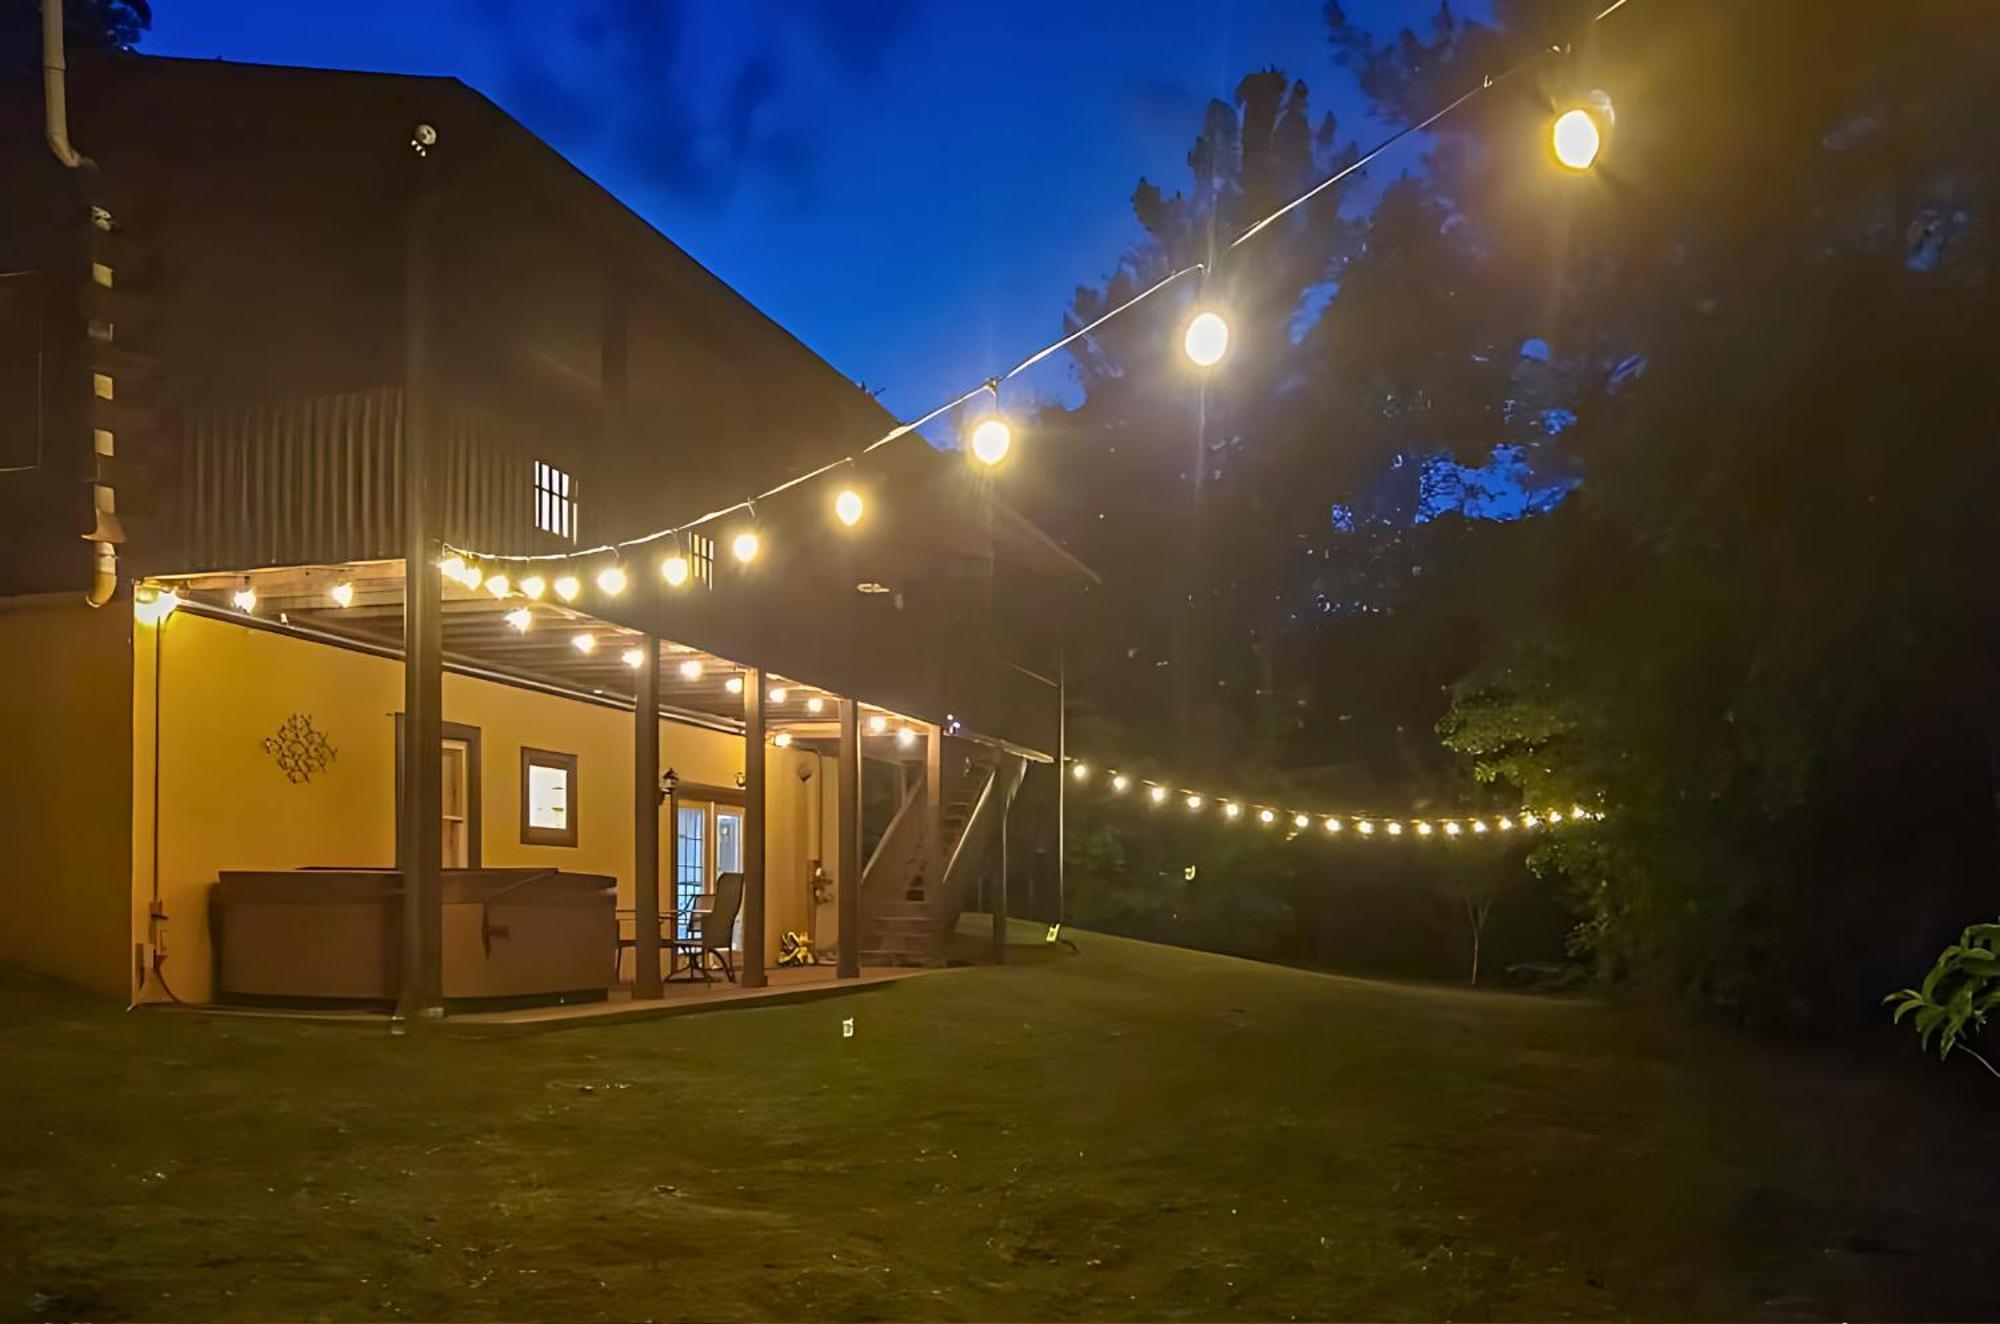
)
(96, 25)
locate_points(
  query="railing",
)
(973, 842)
(897, 853)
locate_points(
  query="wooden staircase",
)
(907, 914)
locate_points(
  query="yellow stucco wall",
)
(65, 792)
(225, 804)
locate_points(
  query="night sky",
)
(914, 189)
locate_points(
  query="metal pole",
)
(753, 828)
(646, 824)
(1062, 785)
(421, 849)
(1000, 881)
(848, 876)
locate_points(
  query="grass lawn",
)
(1134, 1131)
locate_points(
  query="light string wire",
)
(992, 385)
(1164, 795)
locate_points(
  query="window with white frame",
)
(555, 501)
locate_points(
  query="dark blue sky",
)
(913, 187)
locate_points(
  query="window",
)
(548, 798)
(460, 805)
(701, 560)
(555, 502)
(690, 863)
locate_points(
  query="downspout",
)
(55, 106)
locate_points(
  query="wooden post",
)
(420, 851)
(934, 854)
(646, 824)
(848, 878)
(753, 828)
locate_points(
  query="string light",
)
(611, 579)
(1478, 825)
(1365, 828)
(745, 546)
(152, 606)
(244, 599)
(1393, 828)
(1206, 339)
(848, 507)
(1194, 802)
(877, 724)
(1333, 825)
(1506, 824)
(783, 740)
(633, 658)
(452, 567)
(499, 585)
(1231, 810)
(532, 587)
(1576, 139)
(342, 595)
(584, 643)
(674, 570)
(1158, 794)
(1266, 817)
(815, 704)
(779, 694)
(1080, 771)
(1423, 829)
(991, 440)
(734, 685)
(567, 587)
(520, 618)
(905, 737)
(1301, 820)
(1119, 782)
(691, 669)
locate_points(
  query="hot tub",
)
(334, 936)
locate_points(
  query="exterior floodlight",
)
(991, 440)
(1207, 339)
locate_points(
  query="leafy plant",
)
(1958, 994)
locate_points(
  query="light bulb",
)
(877, 724)
(1300, 820)
(520, 618)
(779, 694)
(782, 740)
(1423, 829)
(1452, 829)
(1080, 771)
(499, 585)
(1577, 812)
(1231, 810)
(734, 684)
(151, 606)
(1478, 825)
(584, 643)
(533, 586)
(1394, 829)
(691, 669)
(674, 570)
(1158, 794)
(1555, 815)
(452, 567)
(1207, 339)
(905, 736)
(1266, 817)
(848, 507)
(611, 579)
(1119, 782)
(745, 546)
(1576, 139)
(567, 587)
(815, 704)
(1333, 825)
(1365, 828)
(470, 576)
(991, 439)
(342, 595)
(1529, 820)
(1194, 802)
(244, 599)
(1506, 824)
(633, 658)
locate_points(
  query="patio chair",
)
(714, 932)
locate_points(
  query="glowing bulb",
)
(1119, 782)
(533, 586)
(499, 585)
(1578, 813)
(905, 736)
(452, 567)
(1300, 820)
(342, 595)
(611, 579)
(1158, 793)
(1555, 815)
(1452, 829)
(1207, 339)
(1231, 810)
(1333, 825)
(470, 576)
(877, 724)
(815, 704)
(584, 643)
(782, 740)
(151, 606)
(244, 599)
(1576, 139)
(1365, 828)
(520, 618)
(779, 694)
(1266, 816)
(991, 439)
(674, 570)
(567, 587)
(1081, 772)
(633, 658)
(1529, 820)
(1394, 829)
(691, 669)
(734, 684)
(1506, 824)
(848, 506)
(1423, 829)
(1194, 802)
(745, 546)
(1478, 825)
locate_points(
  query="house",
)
(297, 372)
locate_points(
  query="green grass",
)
(1129, 1132)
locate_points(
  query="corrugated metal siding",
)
(316, 480)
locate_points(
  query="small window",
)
(548, 798)
(555, 502)
(701, 560)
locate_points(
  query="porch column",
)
(646, 824)
(934, 856)
(753, 828)
(1000, 881)
(420, 847)
(848, 938)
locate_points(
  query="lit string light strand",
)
(992, 385)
